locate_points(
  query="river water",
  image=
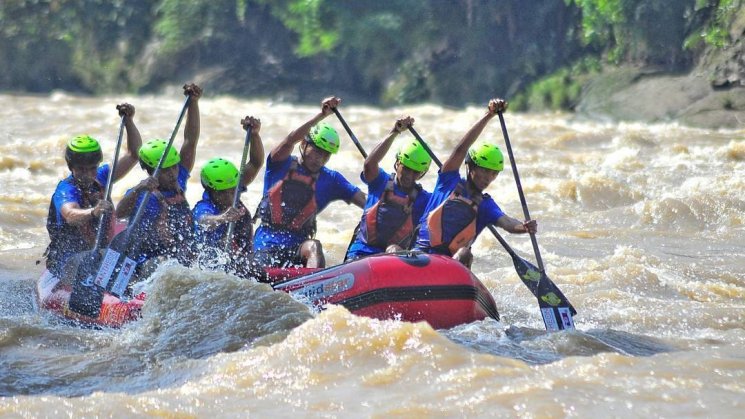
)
(641, 226)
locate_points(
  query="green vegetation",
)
(714, 28)
(560, 90)
(397, 51)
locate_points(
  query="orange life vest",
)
(452, 224)
(389, 221)
(291, 203)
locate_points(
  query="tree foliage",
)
(396, 51)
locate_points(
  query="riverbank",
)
(636, 94)
(711, 95)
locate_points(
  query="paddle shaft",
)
(107, 193)
(349, 131)
(523, 202)
(364, 154)
(238, 188)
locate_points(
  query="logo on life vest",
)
(551, 299)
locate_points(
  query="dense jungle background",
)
(577, 55)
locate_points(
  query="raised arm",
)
(458, 155)
(191, 131)
(134, 141)
(256, 152)
(372, 162)
(283, 150)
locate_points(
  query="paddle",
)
(82, 265)
(117, 259)
(237, 194)
(364, 154)
(556, 310)
(565, 304)
(349, 131)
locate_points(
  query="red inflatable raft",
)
(54, 296)
(410, 287)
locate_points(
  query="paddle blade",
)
(80, 271)
(556, 310)
(92, 274)
(120, 264)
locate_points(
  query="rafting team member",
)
(458, 209)
(166, 228)
(77, 203)
(215, 211)
(395, 202)
(296, 189)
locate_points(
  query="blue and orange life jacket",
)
(290, 204)
(390, 221)
(452, 224)
(67, 239)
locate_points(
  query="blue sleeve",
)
(212, 238)
(65, 192)
(343, 189)
(183, 177)
(203, 208)
(275, 171)
(376, 188)
(102, 175)
(489, 213)
(333, 186)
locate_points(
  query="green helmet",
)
(83, 150)
(486, 155)
(324, 137)
(413, 155)
(151, 152)
(220, 174)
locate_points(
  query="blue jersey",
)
(488, 211)
(330, 186)
(67, 192)
(375, 190)
(216, 237)
(67, 239)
